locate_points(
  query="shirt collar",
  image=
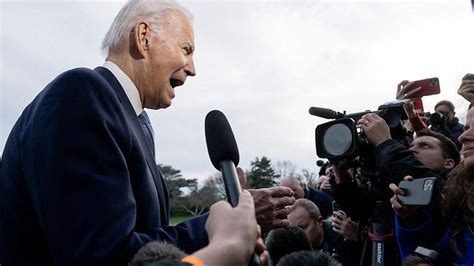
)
(130, 89)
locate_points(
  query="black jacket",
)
(451, 130)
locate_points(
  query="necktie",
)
(147, 130)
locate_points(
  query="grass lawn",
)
(174, 220)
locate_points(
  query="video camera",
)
(341, 141)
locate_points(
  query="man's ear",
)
(142, 38)
(449, 164)
(319, 220)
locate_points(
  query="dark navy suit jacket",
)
(78, 183)
(322, 199)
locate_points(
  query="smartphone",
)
(417, 192)
(428, 255)
(428, 87)
(336, 208)
(418, 105)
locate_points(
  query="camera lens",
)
(337, 139)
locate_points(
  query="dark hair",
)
(458, 202)
(156, 251)
(314, 257)
(447, 103)
(283, 241)
(449, 149)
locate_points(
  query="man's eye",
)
(188, 50)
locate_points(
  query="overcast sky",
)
(263, 63)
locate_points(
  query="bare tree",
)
(198, 201)
(201, 199)
(307, 177)
(285, 168)
(216, 182)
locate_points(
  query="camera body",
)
(341, 141)
(437, 118)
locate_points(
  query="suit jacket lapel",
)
(137, 129)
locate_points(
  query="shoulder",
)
(388, 146)
(458, 127)
(82, 78)
(81, 73)
(319, 194)
(79, 87)
(79, 91)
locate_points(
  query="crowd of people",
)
(101, 200)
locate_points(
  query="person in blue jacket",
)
(414, 225)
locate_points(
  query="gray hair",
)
(309, 206)
(134, 11)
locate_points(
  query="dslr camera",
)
(437, 119)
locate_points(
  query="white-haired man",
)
(79, 183)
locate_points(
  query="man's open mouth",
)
(176, 82)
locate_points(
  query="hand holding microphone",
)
(224, 155)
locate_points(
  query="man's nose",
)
(189, 68)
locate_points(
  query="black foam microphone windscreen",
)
(220, 139)
(156, 252)
(323, 112)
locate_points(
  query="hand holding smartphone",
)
(417, 89)
(417, 192)
(336, 208)
(466, 89)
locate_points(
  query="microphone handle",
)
(232, 191)
(231, 182)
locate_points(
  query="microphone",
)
(325, 113)
(224, 156)
(156, 251)
(223, 152)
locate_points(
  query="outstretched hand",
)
(272, 206)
